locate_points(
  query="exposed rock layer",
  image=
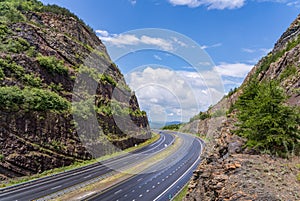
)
(35, 141)
(228, 170)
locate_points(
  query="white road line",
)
(140, 179)
(88, 176)
(119, 191)
(56, 187)
(198, 159)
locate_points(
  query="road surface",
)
(49, 185)
(163, 180)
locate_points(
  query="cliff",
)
(231, 171)
(50, 116)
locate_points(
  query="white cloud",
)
(264, 51)
(227, 4)
(294, 3)
(157, 57)
(176, 40)
(234, 70)
(133, 2)
(121, 40)
(181, 93)
(103, 33)
(211, 4)
(211, 46)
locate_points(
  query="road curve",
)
(161, 181)
(49, 185)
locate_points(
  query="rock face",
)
(229, 171)
(44, 50)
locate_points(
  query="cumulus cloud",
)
(239, 70)
(180, 93)
(121, 40)
(102, 33)
(211, 4)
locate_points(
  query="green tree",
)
(265, 120)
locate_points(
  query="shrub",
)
(265, 120)
(13, 98)
(108, 79)
(9, 13)
(201, 116)
(2, 75)
(52, 64)
(12, 67)
(288, 71)
(32, 80)
(1, 157)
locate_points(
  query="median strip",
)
(118, 177)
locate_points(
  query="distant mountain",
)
(157, 125)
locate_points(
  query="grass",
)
(182, 193)
(75, 165)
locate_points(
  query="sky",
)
(181, 56)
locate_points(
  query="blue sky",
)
(234, 34)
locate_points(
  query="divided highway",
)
(159, 182)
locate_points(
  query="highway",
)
(49, 185)
(161, 181)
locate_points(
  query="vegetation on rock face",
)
(272, 57)
(52, 64)
(265, 120)
(13, 99)
(200, 116)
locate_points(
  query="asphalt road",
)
(49, 185)
(163, 180)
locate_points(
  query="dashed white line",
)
(140, 179)
(88, 176)
(56, 187)
(118, 191)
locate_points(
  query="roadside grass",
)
(76, 165)
(182, 194)
(107, 183)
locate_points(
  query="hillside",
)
(232, 171)
(55, 76)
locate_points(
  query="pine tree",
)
(265, 120)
